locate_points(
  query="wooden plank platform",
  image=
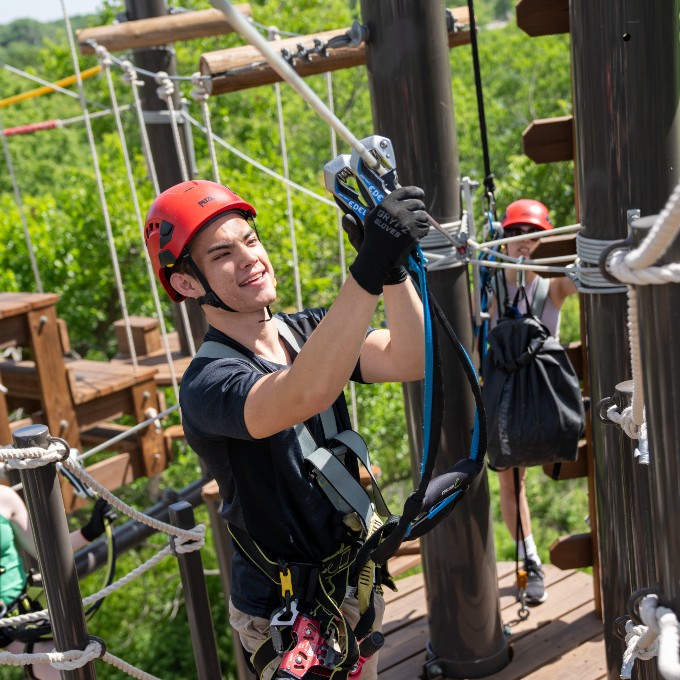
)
(562, 639)
(158, 360)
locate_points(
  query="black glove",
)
(101, 512)
(355, 233)
(391, 230)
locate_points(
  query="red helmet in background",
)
(176, 217)
(526, 211)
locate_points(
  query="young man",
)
(243, 414)
(526, 216)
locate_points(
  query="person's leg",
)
(528, 552)
(350, 608)
(39, 671)
(508, 501)
(252, 631)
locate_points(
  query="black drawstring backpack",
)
(532, 397)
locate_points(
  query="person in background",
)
(526, 216)
(16, 534)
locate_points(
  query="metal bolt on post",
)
(53, 546)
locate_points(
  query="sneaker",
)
(535, 591)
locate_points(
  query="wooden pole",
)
(409, 69)
(240, 68)
(159, 30)
(625, 83)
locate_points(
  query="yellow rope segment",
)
(46, 89)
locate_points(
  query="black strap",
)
(488, 178)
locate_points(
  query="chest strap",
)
(328, 462)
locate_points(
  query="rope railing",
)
(181, 541)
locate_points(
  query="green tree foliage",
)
(523, 79)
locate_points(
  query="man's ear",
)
(186, 285)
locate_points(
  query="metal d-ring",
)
(64, 443)
(606, 402)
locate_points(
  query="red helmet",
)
(177, 215)
(526, 211)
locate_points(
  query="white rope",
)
(287, 72)
(165, 90)
(200, 95)
(106, 61)
(661, 236)
(624, 419)
(74, 659)
(130, 77)
(289, 200)
(36, 457)
(31, 457)
(640, 644)
(20, 205)
(128, 432)
(127, 668)
(260, 166)
(95, 161)
(180, 546)
(618, 266)
(67, 661)
(659, 635)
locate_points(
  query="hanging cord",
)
(97, 169)
(489, 185)
(20, 205)
(130, 77)
(273, 35)
(165, 90)
(200, 94)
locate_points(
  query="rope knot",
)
(625, 420)
(30, 458)
(104, 56)
(130, 74)
(199, 93)
(166, 88)
(77, 658)
(185, 544)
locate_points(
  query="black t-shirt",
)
(264, 483)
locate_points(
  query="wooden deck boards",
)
(562, 639)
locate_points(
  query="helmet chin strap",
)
(210, 297)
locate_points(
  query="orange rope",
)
(46, 89)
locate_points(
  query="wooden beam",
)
(240, 68)
(572, 552)
(543, 17)
(134, 35)
(549, 140)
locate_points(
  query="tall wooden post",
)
(625, 77)
(161, 140)
(410, 83)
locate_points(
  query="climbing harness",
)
(358, 188)
(303, 629)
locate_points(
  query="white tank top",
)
(550, 315)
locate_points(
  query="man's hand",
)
(101, 513)
(355, 234)
(391, 231)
